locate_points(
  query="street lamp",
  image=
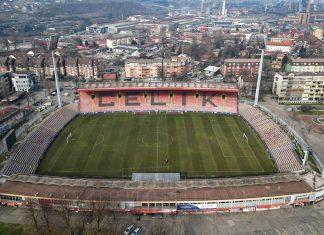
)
(52, 46)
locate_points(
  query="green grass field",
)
(14, 229)
(195, 144)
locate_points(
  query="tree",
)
(95, 44)
(284, 62)
(45, 211)
(34, 213)
(305, 108)
(6, 43)
(134, 42)
(78, 41)
(302, 52)
(66, 215)
(15, 42)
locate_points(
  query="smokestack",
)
(224, 8)
(202, 7)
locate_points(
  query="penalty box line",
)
(233, 156)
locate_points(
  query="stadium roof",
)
(208, 86)
(118, 190)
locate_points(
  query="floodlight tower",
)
(256, 98)
(52, 46)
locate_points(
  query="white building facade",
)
(23, 81)
(303, 65)
(299, 88)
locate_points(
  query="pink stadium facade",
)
(219, 99)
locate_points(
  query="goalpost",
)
(68, 137)
(246, 138)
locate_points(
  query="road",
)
(303, 220)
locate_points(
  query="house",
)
(317, 32)
(110, 74)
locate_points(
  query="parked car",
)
(137, 230)
(129, 229)
(41, 108)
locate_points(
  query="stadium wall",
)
(233, 195)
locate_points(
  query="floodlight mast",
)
(257, 92)
(52, 46)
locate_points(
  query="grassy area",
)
(14, 229)
(318, 112)
(194, 144)
(313, 165)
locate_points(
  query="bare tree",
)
(99, 216)
(6, 43)
(45, 211)
(66, 214)
(15, 42)
(34, 214)
(6, 91)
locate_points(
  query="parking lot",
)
(302, 220)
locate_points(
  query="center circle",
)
(318, 120)
(157, 139)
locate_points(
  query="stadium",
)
(158, 147)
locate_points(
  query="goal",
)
(245, 138)
(68, 137)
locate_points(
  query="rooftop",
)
(307, 60)
(241, 60)
(23, 73)
(121, 190)
(284, 43)
(230, 87)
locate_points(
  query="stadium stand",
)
(158, 100)
(26, 157)
(278, 143)
(158, 96)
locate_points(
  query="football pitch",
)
(196, 145)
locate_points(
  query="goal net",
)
(68, 137)
(245, 138)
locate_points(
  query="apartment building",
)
(317, 32)
(172, 68)
(5, 84)
(302, 65)
(119, 39)
(299, 88)
(279, 46)
(10, 117)
(23, 80)
(192, 36)
(237, 67)
(80, 67)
